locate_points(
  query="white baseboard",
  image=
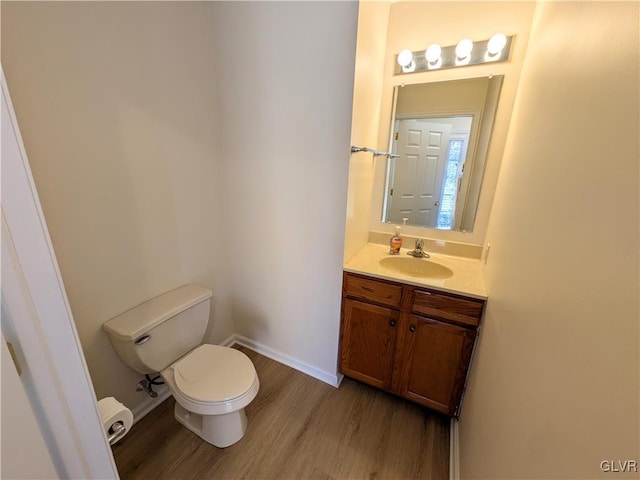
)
(330, 378)
(229, 341)
(454, 450)
(150, 403)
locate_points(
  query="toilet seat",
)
(211, 373)
(211, 380)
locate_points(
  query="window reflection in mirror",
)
(441, 132)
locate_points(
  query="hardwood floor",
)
(298, 427)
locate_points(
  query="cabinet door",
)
(436, 358)
(368, 342)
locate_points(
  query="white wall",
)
(416, 25)
(554, 387)
(116, 103)
(285, 95)
(373, 22)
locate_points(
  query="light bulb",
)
(432, 54)
(409, 68)
(405, 57)
(464, 47)
(496, 43)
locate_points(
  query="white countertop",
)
(467, 278)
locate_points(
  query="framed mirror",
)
(441, 133)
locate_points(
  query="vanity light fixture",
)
(466, 52)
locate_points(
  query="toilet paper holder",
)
(116, 431)
(117, 419)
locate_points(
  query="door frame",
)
(39, 324)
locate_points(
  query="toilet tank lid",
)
(133, 323)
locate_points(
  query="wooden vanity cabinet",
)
(368, 345)
(372, 312)
(411, 341)
(435, 358)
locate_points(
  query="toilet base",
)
(219, 430)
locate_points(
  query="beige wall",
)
(415, 25)
(116, 106)
(286, 111)
(373, 21)
(554, 387)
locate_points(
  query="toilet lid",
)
(213, 373)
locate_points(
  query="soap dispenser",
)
(395, 242)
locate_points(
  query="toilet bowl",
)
(211, 384)
(210, 401)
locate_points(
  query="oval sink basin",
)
(416, 267)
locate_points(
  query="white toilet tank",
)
(156, 333)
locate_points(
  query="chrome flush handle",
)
(143, 340)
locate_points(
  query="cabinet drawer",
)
(466, 312)
(377, 292)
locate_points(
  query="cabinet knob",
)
(412, 328)
(392, 323)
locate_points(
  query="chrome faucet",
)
(419, 250)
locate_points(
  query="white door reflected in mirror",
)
(425, 190)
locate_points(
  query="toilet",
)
(211, 384)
